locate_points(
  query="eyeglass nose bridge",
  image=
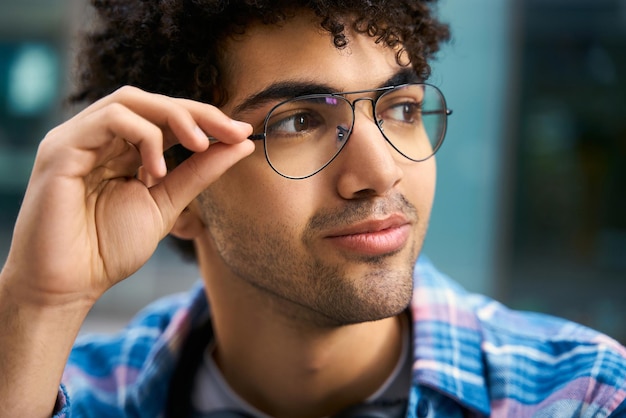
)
(353, 104)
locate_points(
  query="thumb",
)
(193, 176)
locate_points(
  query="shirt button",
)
(423, 408)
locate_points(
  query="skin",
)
(315, 329)
(86, 224)
(305, 278)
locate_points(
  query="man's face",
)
(338, 247)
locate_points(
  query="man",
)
(307, 236)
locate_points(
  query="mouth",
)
(373, 237)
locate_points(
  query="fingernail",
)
(199, 133)
(241, 124)
(162, 166)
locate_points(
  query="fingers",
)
(189, 121)
(150, 122)
(159, 110)
(214, 123)
(117, 121)
(128, 131)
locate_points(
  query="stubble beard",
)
(308, 289)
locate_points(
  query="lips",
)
(373, 237)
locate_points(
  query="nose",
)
(367, 165)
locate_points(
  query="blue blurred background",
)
(531, 200)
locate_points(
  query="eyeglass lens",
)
(305, 134)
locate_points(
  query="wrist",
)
(36, 341)
(17, 290)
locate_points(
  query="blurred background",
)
(531, 200)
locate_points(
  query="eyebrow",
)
(289, 89)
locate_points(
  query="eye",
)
(294, 124)
(405, 112)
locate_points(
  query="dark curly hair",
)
(172, 47)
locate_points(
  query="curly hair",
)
(172, 47)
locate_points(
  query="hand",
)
(87, 222)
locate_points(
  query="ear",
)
(189, 224)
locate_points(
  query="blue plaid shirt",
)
(472, 357)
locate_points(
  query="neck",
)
(283, 366)
(284, 374)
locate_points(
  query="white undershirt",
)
(212, 392)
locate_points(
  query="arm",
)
(87, 223)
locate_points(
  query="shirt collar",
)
(188, 311)
(447, 348)
(447, 339)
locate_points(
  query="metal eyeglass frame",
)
(352, 103)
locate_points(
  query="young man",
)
(307, 236)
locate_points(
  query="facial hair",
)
(301, 279)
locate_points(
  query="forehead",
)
(300, 50)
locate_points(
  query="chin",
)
(372, 298)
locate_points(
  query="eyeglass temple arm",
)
(253, 137)
(448, 112)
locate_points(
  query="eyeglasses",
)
(305, 134)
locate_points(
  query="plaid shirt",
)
(472, 357)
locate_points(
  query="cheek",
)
(252, 197)
(252, 223)
(419, 187)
